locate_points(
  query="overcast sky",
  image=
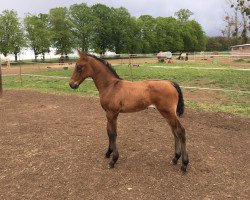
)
(209, 13)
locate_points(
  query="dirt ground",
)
(52, 147)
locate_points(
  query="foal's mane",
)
(107, 64)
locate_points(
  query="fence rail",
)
(89, 79)
(192, 56)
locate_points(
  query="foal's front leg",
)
(112, 134)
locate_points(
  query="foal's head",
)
(81, 72)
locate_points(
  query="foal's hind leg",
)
(112, 134)
(180, 139)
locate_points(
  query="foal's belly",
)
(134, 104)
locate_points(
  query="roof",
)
(241, 45)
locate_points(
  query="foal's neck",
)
(102, 76)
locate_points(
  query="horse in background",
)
(61, 60)
(5, 60)
(183, 56)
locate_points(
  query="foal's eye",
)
(79, 69)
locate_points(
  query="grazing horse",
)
(61, 59)
(120, 96)
(183, 56)
(6, 61)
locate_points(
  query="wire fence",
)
(192, 56)
(185, 87)
(22, 73)
(27, 68)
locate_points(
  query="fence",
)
(27, 71)
(192, 56)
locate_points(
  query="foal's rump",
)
(167, 96)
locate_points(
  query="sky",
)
(209, 13)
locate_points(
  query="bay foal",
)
(120, 96)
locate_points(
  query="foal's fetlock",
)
(175, 159)
(108, 153)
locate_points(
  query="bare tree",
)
(229, 29)
(241, 26)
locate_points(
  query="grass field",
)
(187, 75)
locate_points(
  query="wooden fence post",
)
(131, 70)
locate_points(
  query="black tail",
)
(180, 105)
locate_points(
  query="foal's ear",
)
(82, 55)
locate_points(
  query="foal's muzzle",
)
(73, 85)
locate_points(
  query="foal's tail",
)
(180, 105)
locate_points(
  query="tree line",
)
(99, 28)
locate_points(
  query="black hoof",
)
(183, 169)
(111, 165)
(174, 161)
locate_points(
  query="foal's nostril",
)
(73, 85)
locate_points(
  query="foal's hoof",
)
(174, 161)
(183, 170)
(111, 165)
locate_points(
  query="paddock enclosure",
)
(47, 152)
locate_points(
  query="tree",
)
(11, 34)
(241, 7)
(183, 14)
(61, 30)
(83, 21)
(134, 34)
(18, 42)
(147, 25)
(193, 36)
(228, 30)
(121, 30)
(168, 34)
(218, 43)
(38, 34)
(102, 35)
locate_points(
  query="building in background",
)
(240, 49)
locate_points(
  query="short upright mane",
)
(108, 65)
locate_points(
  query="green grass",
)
(236, 105)
(48, 85)
(232, 102)
(242, 60)
(184, 64)
(226, 79)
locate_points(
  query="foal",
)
(120, 96)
